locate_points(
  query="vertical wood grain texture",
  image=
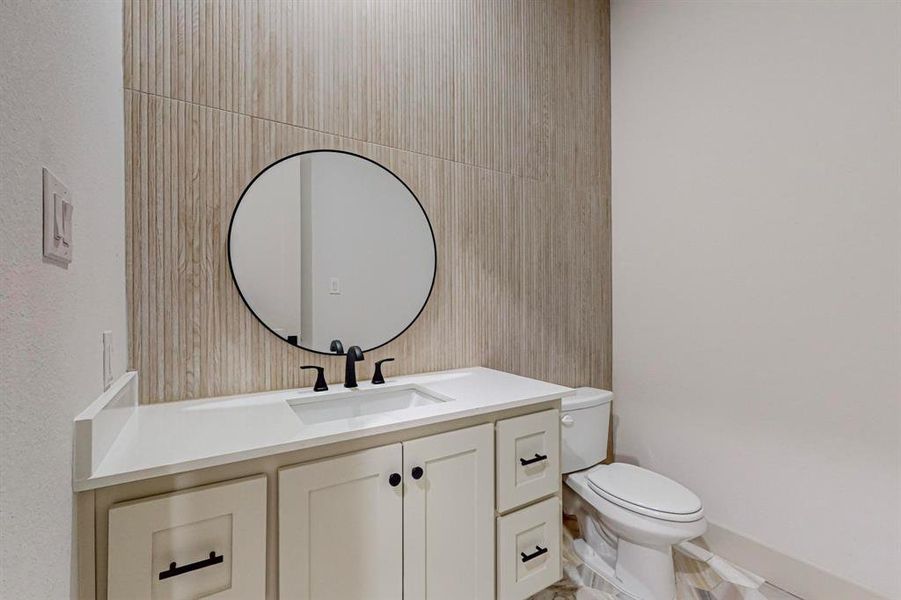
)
(494, 112)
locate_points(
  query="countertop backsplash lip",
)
(99, 425)
(154, 439)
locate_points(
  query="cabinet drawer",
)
(528, 458)
(205, 542)
(528, 550)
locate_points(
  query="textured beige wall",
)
(496, 114)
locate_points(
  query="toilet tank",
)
(584, 425)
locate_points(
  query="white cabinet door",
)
(449, 516)
(341, 527)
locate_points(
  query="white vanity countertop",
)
(174, 437)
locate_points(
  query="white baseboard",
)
(792, 575)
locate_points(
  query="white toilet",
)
(638, 512)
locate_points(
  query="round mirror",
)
(328, 245)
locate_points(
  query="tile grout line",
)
(344, 137)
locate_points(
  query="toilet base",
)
(645, 571)
(634, 573)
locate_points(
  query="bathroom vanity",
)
(441, 485)
(432, 486)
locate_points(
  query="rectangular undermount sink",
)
(361, 403)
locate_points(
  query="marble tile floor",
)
(566, 589)
(695, 580)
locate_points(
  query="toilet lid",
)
(630, 487)
(586, 397)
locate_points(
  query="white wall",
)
(757, 268)
(265, 247)
(370, 233)
(60, 107)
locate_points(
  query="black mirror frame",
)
(231, 268)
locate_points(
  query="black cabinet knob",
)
(394, 479)
(417, 472)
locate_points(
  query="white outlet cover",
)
(57, 219)
(107, 340)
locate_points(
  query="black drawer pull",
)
(200, 564)
(538, 552)
(529, 461)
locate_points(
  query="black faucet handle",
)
(377, 377)
(320, 385)
(336, 346)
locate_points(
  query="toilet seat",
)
(644, 492)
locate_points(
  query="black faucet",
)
(354, 353)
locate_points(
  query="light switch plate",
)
(334, 286)
(58, 211)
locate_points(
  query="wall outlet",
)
(107, 337)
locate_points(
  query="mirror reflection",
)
(328, 245)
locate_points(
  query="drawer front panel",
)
(528, 550)
(528, 459)
(205, 542)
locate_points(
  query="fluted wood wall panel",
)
(494, 112)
